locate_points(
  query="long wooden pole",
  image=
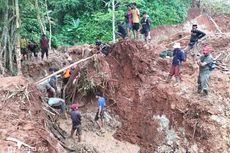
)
(63, 69)
(18, 39)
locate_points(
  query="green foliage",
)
(81, 21)
(215, 7)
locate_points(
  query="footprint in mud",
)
(101, 133)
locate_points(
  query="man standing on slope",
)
(121, 30)
(136, 20)
(204, 70)
(145, 26)
(44, 42)
(178, 57)
(100, 111)
(195, 36)
(129, 20)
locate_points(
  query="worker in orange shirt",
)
(66, 74)
(136, 20)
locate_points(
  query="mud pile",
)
(22, 118)
(161, 117)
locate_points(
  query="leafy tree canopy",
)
(81, 21)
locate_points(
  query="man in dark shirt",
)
(32, 46)
(98, 43)
(178, 57)
(145, 26)
(121, 30)
(76, 121)
(195, 36)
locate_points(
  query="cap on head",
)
(176, 45)
(134, 4)
(144, 13)
(74, 106)
(51, 69)
(119, 22)
(206, 50)
(194, 25)
(98, 94)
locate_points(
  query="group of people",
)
(75, 115)
(205, 62)
(50, 86)
(134, 23)
(31, 47)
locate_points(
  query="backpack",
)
(211, 66)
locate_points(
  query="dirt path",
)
(103, 143)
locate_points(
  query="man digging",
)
(99, 118)
(76, 121)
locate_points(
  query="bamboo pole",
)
(215, 24)
(18, 52)
(55, 73)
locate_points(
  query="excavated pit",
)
(157, 116)
(144, 100)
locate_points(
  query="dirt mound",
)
(8, 82)
(224, 22)
(193, 13)
(22, 118)
(36, 70)
(175, 32)
(161, 117)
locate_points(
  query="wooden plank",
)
(63, 69)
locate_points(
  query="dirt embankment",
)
(23, 118)
(156, 115)
(142, 96)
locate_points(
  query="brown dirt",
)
(141, 93)
(223, 21)
(135, 79)
(193, 13)
(24, 119)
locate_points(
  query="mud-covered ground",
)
(155, 115)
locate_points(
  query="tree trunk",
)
(50, 26)
(42, 27)
(17, 38)
(113, 21)
(5, 37)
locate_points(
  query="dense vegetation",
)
(81, 21)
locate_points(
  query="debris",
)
(19, 143)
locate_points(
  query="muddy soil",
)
(93, 139)
(157, 116)
(22, 118)
(142, 94)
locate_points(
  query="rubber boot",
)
(178, 79)
(169, 78)
(199, 91)
(205, 92)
